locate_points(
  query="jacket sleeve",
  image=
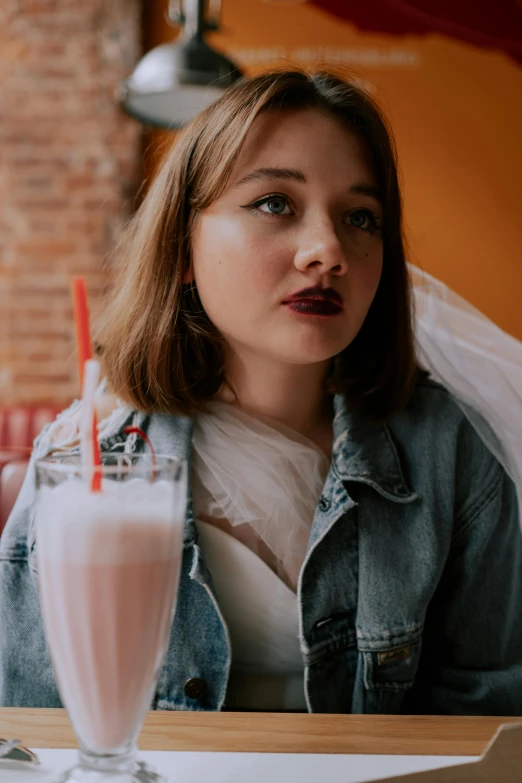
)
(471, 662)
(26, 674)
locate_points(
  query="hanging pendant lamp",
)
(174, 81)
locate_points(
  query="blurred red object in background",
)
(489, 25)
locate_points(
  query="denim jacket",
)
(410, 595)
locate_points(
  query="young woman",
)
(351, 545)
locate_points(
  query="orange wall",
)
(457, 116)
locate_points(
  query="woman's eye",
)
(363, 219)
(272, 205)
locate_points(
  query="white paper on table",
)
(220, 767)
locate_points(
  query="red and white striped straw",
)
(89, 448)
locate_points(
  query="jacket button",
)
(324, 504)
(195, 688)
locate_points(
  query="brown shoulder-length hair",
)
(159, 349)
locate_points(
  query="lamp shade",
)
(174, 81)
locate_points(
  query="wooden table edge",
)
(275, 732)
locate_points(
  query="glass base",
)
(129, 772)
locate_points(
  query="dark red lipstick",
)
(315, 301)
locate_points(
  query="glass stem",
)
(109, 762)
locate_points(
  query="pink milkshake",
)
(109, 567)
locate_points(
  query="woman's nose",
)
(321, 247)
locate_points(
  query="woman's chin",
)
(306, 356)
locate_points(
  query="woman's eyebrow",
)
(366, 189)
(360, 188)
(271, 173)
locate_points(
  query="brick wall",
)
(68, 176)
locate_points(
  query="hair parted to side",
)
(159, 349)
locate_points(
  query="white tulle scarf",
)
(260, 474)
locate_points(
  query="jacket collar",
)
(365, 452)
(173, 435)
(362, 451)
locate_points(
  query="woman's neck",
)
(312, 418)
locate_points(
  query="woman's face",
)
(301, 209)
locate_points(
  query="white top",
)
(262, 618)
(265, 479)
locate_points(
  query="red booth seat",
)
(19, 426)
(11, 480)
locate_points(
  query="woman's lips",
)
(315, 307)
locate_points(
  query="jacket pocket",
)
(388, 673)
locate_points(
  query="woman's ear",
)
(188, 277)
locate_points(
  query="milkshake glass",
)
(108, 572)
